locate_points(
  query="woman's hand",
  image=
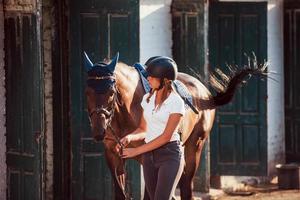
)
(124, 141)
(130, 153)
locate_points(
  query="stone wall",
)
(47, 32)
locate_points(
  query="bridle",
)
(107, 111)
(110, 109)
(109, 114)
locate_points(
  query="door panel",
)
(23, 104)
(188, 35)
(239, 138)
(292, 75)
(101, 28)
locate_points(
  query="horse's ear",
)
(112, 65)
(87, 62)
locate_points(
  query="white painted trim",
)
(275, 103)
(155, 29)
(3, 167)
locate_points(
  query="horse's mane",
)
(126, 73)
(128, 83)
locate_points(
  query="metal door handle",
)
(37, 136)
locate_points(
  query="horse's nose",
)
(98, 134)
(99, 138)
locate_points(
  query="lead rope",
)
(117, 139)
(122, 186)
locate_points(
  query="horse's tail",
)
(225, 85)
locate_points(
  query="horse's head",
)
(101, 94)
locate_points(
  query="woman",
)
(163, 158)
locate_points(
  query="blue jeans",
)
(162, 169)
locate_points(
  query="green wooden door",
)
(101, 28)
(188, 35)
(239, 137)
(23, 107)
(188, 52)
(292, 75)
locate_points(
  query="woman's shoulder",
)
(144, 100)
(145, 96)
(175, 98)
(176, 103)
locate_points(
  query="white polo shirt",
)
(157, 119)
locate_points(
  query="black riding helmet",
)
(150, 59)
(161, 67)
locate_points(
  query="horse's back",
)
(195, 86)
(204, 120)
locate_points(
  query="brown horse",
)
(114, 92)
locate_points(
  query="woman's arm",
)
(136, 135)
(139, 133)
(165, 137)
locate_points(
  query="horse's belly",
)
(189, 121)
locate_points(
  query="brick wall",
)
(22, 5)
(189, 6)
(2, 109)
(155, 28)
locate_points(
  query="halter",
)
(108, 111)
(101, 77)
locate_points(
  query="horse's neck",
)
(131, 92)
(128, 83)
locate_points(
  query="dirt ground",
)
(278, 195)
(271, 195)
(259, 192)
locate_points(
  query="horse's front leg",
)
(116, 166)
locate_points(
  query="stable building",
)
(46, 149)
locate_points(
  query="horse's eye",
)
(111, 93)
